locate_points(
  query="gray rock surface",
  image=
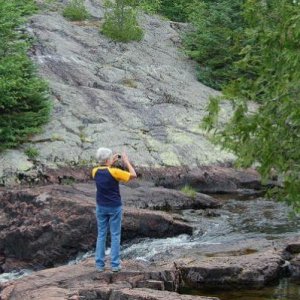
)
(141, 95)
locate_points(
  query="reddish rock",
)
(165, 199)
(83, 282)
(147, 223)
(253, 270)
(212, 179)
(140, 294)
(44, 226)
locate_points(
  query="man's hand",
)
(125, 157)
(115, 158)
(128, 165)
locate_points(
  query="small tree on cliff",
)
(24, 103)
(120, 21)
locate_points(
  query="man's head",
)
(104, 156)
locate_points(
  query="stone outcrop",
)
(205, 179)
(82, 281)
(142, 95)
(47, 225)
(149, 281)
(253, 270)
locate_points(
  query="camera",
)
(119, 156)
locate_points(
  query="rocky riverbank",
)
(139, 281)
(45, 226)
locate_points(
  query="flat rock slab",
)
(139, 294)
(253, 270)
(82, 281)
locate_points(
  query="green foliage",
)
(24, 106)
(270, 60)
(189, 191)
(120, 21)
(75, 11)
(32, 153)
(176, 10)
(150, 6)
(215, 41)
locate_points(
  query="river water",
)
(239, 227)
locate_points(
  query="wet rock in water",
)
(293, 247)
(44, 226)
(253, 270)
(82, 281)
(145, 223)
(292, 252)
(294, 267)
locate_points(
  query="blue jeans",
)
(111, 216)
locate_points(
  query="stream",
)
(240, 227)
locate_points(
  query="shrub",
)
(75, 11)
(150, 6)
(32, 153)
(120, 22)
(189, 191)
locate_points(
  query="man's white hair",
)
(103, 154)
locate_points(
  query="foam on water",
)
(14, 275)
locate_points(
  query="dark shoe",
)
(116, 269)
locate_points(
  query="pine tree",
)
(24, 104)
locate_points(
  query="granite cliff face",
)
(141, 95)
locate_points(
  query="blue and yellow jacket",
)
(107, 182)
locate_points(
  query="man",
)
(109, 204)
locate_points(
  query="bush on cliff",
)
(24, 105)
(75, 11)
(120, 21)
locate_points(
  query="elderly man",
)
(109, 204)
